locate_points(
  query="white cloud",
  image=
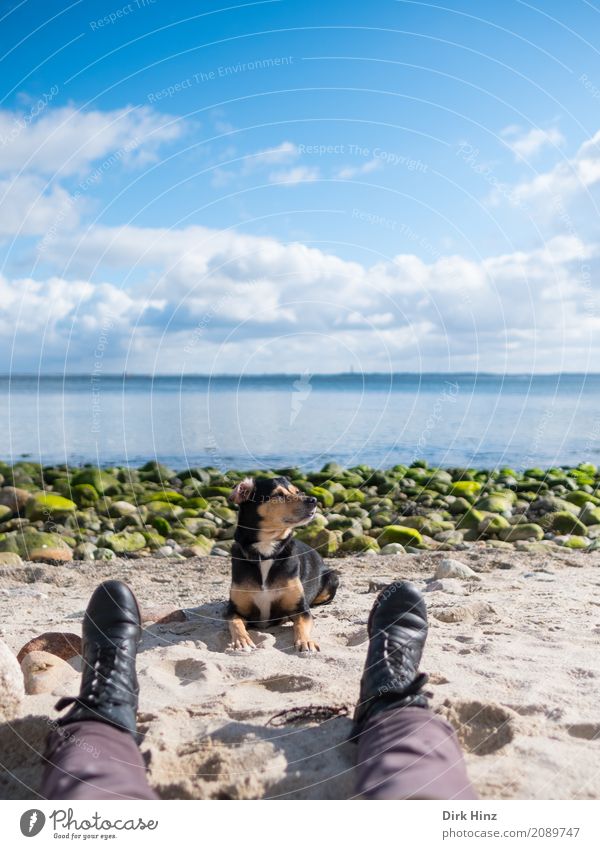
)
(355, 171)
(526, 145)
(293, 176)
(203, 300)
(284, 152)
(29, 207)
(66, 141)
(577, 174)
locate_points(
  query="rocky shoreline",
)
(55, 514)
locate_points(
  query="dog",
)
(274, 576)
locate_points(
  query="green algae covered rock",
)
(49, 505)
(125, 542)
(399, 533)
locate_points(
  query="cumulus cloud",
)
(525, 145)
(67, 140)
(355, 171)
(294, 176)
(205, 300)
(570, 176)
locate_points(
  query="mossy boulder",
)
(359, 544)
(125, 542)
(580, 498)
(573, 541)
(590, 514)
(470, 520)
(491, 525)
(524, 531)
(84, 495)
(465, 489)
(354, 496)
(563, 522)
(323, 496)
(27, 541)
(166, 495)
(494, 503)
(399, 533)
(49, 505)
(103, 482)
(195, 503)
(164, 509)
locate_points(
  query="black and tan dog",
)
(275, 577)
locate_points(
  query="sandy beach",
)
(512, 656)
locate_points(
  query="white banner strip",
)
(347, 824)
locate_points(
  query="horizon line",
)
(194, 375)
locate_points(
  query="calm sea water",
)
(270, 421)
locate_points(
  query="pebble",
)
(12, 689)
(455, 569)
(392, 548)
(47, 673)
(376, 585)
(10, 558)
(447, 585)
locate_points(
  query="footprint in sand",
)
(585, 730)
(481, 727)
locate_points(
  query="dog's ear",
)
(243, 491)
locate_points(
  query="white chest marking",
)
(263, 599)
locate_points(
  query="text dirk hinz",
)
(468, 815)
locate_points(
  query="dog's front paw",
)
(305, 648)
(242, 644)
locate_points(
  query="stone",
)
(124, 542)
(102, 553)
(101, 481)
(448, 585)
(525, 531)
(392, 548)
(47, 673)
(62, 644)
(12, 688)
(359, 545)
(463, 613)
(465, 489)
(119, 509)
(376, 585)
(398, 533)
(15, 499)
(51, 555)
(84, 495)
(10, 558)
(563, 522)
(494, 503)
(49, 505)
(84, 551)
(27, 540)
(590, 514)
(449, 568)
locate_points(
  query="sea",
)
(270, 421)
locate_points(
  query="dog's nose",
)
(310, 499)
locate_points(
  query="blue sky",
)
(287, 186)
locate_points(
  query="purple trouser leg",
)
(93, 760)
(410, 753)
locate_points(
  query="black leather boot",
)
(397, 632)
(110, 636)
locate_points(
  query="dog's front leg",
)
(303, 623)
(240, 638)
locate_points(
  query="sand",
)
(513, 658)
